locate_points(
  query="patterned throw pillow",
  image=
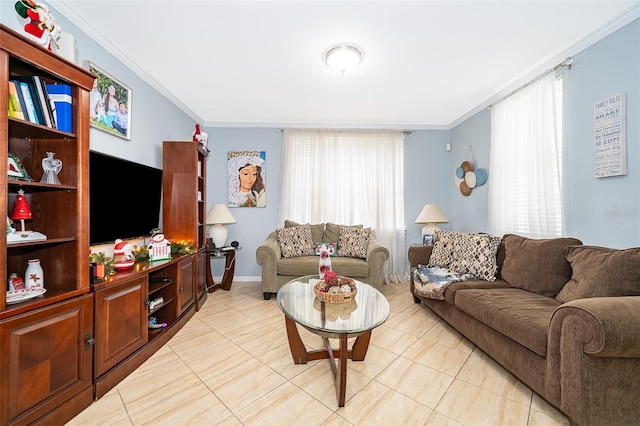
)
(442, 254)
(353, 242)
(476, 254)
(295, 241)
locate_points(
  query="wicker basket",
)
(334, 297)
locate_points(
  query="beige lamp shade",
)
(430, 215)
(217, 217)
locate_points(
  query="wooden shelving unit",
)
(53, 381)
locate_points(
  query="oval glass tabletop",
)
(367, 311)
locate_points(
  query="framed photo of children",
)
(109, 104)
(246, 177)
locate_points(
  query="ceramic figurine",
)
(51, 167)
(123, 255)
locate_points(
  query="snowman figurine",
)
(159, 247)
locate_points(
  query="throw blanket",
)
(431, 282)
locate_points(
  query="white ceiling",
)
(427, 64)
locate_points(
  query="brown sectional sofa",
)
(277, 270)
(576, 344)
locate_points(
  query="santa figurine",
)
(123, 255)
(200, 136)
(41, 25)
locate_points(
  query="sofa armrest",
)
(594, 344)
(268, 254)
(377, 255)
(419, 255)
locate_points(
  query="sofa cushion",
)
(537, 265)
(353, 242)
(295, 241)
(601, 272)
(308, 265)
(518, 314)
(442, 253)
(450, 292)
(475, 254)
(317, 230)
(332, 231)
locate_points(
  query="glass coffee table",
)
(339, 321)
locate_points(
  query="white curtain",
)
(349, 178)
(525, 187)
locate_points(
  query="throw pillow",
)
(331, 246)
(332, 231)
(353, 242)
(537, 265)
(316, 230)
(601, 272)
(475, 254)
(295, 241)
(442, 253)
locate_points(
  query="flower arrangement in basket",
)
(334, 289)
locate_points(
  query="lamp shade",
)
(430, 215)
(217, 217)
(343, 58)
(219, 214)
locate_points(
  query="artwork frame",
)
(112, 119)
(428, 239)
(246, 179)
(15, 169)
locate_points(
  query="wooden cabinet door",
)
(46, 359)
(121, 322)
(186, 284)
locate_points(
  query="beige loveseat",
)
(278, 270)
(562, 317)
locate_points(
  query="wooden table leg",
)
(298, 351)
(341, 378)
(360, 346)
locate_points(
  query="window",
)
(525, 189)
(348, 177)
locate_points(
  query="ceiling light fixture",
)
(343, 58)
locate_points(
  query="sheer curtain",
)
(525, 189)
(347, 177)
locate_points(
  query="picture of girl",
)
(246, 177)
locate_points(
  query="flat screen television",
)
(124, 199)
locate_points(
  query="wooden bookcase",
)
(184, 188)
(46, 341)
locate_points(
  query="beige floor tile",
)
(196, 405)
(416, 381)
(391, 339)
(245, 383)
(539, 404)
(376, 360)
(336, 420)
(437, 419)
(280, 360)
(285, 405)
(537, 418)
(318, 382)
(109, 411)
(444, 334)
(437, 356)
(258, 340)
(413, 320)
(485, 373)
(224, 356)
(377, 404)
(470, 405)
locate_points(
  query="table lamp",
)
(430, 215)
(218, 216)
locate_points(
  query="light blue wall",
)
(598, 211)
(153, 117)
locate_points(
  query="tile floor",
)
(231, 365)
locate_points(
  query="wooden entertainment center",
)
(63, 349)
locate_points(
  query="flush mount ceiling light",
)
(343, 58)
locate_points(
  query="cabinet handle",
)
(88, 341)
(181, 289)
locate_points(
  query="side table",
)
(229, 268)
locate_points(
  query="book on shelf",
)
(28, 101)
(45, 102)
(15, 108)
(32, 85)
(60, 94)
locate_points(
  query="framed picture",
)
(246, 177)
(15, 169)
(109, 104)
(427, 239)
